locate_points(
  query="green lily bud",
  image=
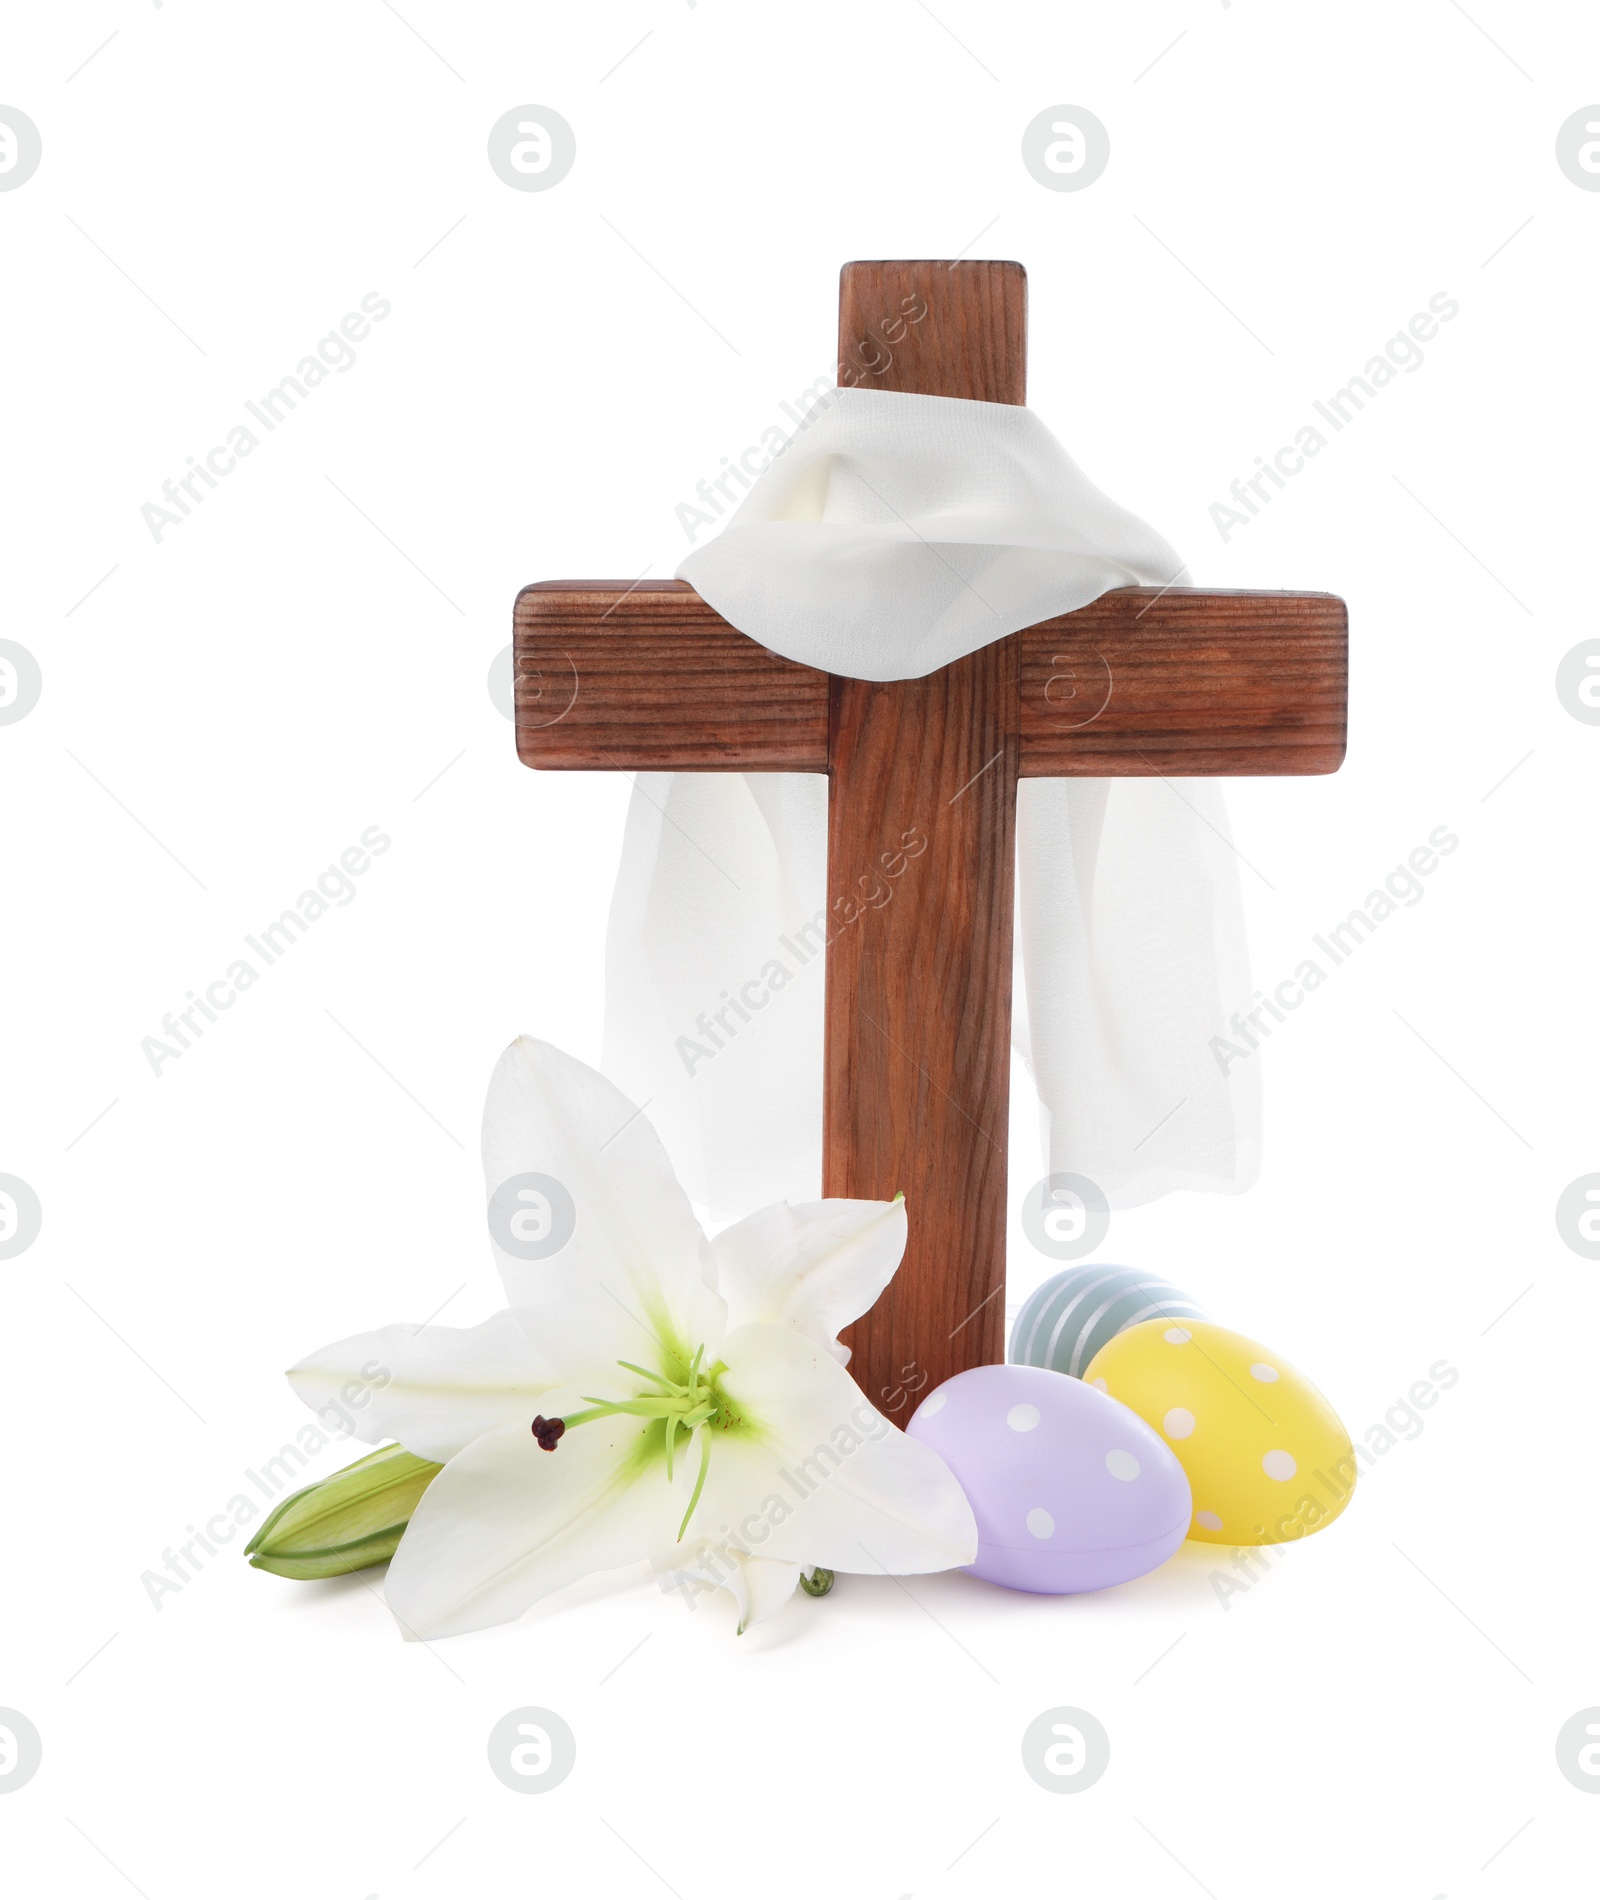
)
(350, 1521)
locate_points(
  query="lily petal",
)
(759, 1586)
(435, 1388)
(767, 1586)
(816, 1476)
(636, 1269)
(505, 1523)
(815, 1267)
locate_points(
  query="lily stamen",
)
(693, 1404)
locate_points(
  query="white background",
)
(1378, 1713)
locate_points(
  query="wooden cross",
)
(1144, 681)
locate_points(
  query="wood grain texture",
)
(1141, 682)
(649, 679)
(970, 338)
(1185, 683)
(921, 845)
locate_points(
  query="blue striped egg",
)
(1065, 1322)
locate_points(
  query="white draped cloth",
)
(894, 534)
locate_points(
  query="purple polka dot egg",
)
(1072, 1491)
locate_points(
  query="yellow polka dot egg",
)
(1266, 1456)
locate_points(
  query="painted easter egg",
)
(1065, 1322)
(1267, 1458)
(1071, 1490)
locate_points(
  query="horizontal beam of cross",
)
(1142, 682)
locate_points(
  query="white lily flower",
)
(650, 1394)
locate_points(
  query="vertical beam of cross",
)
(918, 1048)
